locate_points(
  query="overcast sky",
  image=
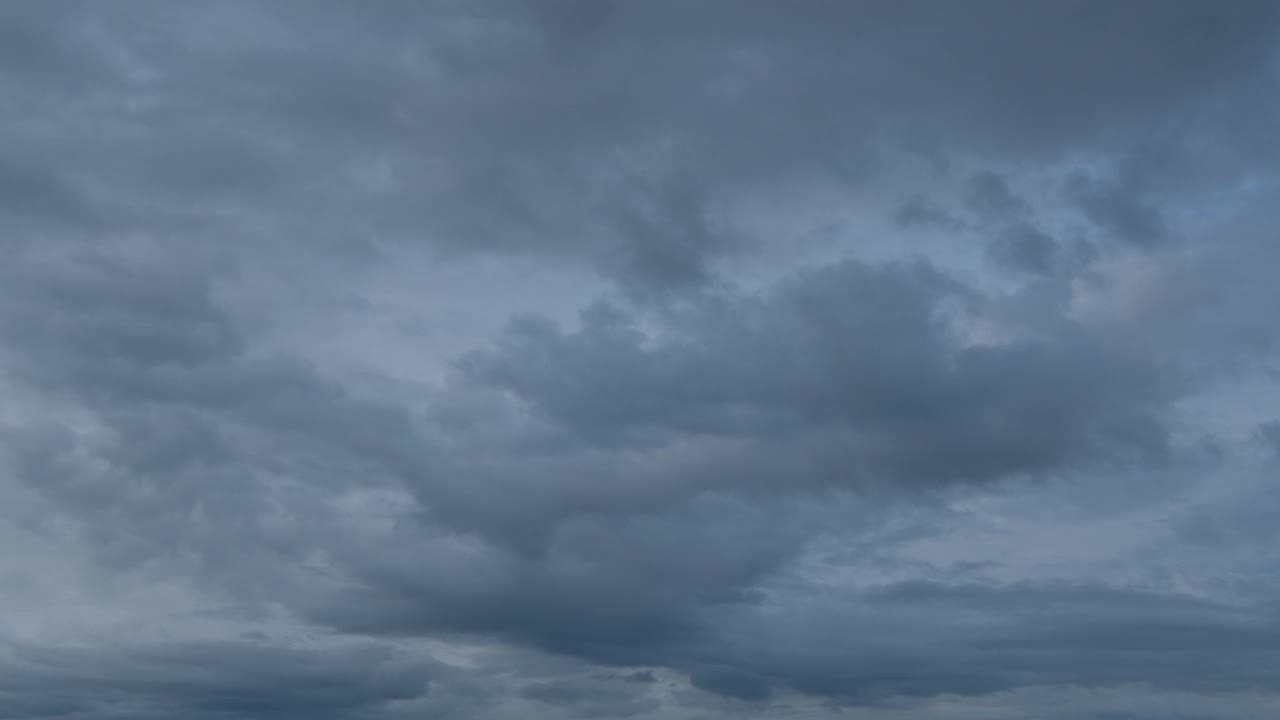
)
(650, 359)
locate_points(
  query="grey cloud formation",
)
(990, 197)
(1117, 208)
(856, 351)
(231, 678)
(663, 360)
(1008, 637)
(1024, 247)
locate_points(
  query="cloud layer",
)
(651, 360)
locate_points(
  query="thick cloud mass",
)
(657, 360)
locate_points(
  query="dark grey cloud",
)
(919, 210)
(861, 350)
(989, 197)
(1026, 248)
(590, 698)
(999, 637)
(1117, 208)
(36, 193)
(599, 133)
(215, 679)
(1269, 433)
(655, 360)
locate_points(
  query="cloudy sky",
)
(652, 359)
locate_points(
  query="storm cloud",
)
(660, 360)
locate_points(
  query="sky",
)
(660, 360)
